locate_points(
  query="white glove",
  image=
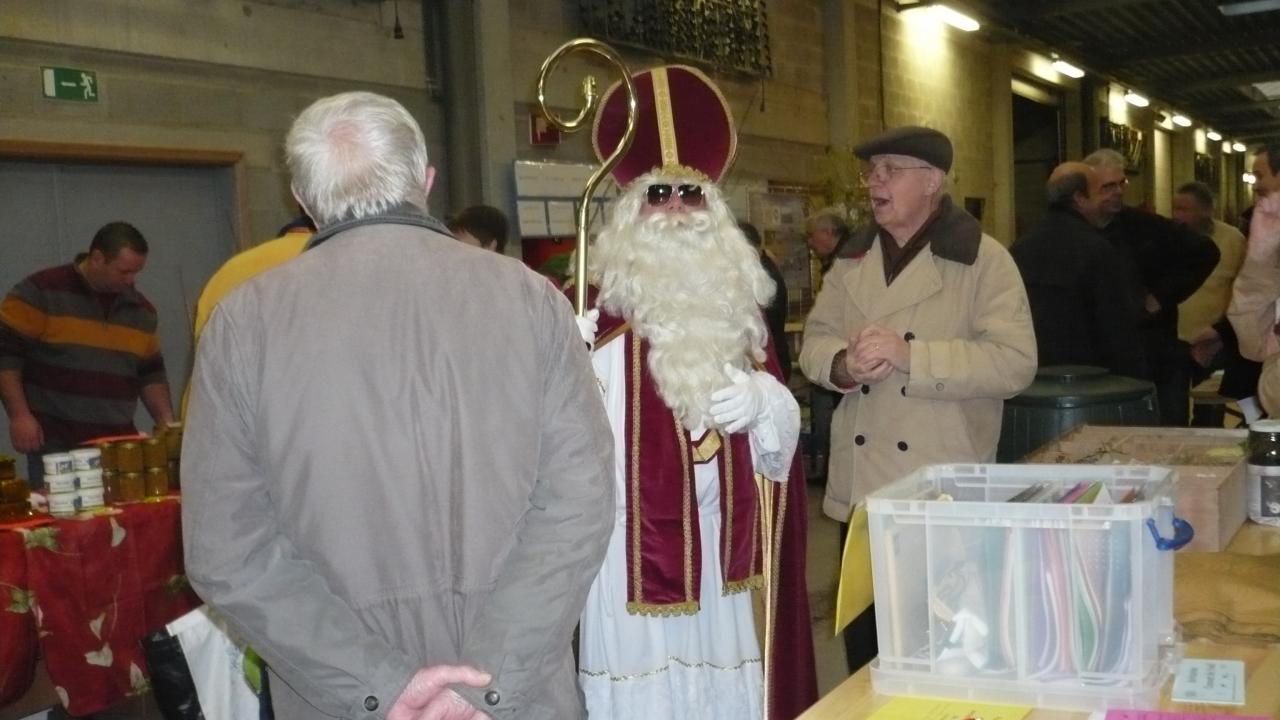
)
(587, 326)
(740, 405)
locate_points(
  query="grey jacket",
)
(396, 457)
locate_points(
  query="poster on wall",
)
(548, 196)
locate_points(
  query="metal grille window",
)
(729, 35)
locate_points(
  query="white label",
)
(1264, 494)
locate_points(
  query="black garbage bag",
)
(174, 689)
(171, 682)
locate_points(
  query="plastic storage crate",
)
(1030, 603)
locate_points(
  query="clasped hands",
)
(876, 352)
(428, 696)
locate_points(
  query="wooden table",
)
(854, 699)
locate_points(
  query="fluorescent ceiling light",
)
(1068, 69)
(1249, 178)
(1212, 135)
(1181, 121)
(1135, 99)
(1248, 7)
(954, 18)
(1238, 147)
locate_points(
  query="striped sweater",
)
(82, 366)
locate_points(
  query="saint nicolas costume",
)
(669, 629)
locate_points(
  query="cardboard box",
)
(1210, 464)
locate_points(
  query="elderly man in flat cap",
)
(923, 325)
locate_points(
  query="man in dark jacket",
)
(1083, 310)
(776, 314)
(1167, 263)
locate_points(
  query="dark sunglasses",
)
(690, 195)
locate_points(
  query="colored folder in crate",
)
(854, 593)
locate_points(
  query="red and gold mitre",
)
(683, 123)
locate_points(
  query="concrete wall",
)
(218, 75)
(933, 75)
(782, 121)
(223, 75)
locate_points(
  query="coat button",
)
(902, 446)
(492, 698)
(371, 703)
(909, 336)
(859, 439)
(903, 390)
(939, 387)
(866, 389)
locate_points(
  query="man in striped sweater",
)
(78, 347)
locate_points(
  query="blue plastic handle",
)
(1182, 534)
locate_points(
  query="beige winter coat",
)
(962, 306)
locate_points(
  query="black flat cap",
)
(914, 141)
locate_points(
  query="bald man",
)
(1084, 308)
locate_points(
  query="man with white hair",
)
(668, 630)
(388, 489)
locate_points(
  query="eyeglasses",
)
(884, 172)
(690, 195)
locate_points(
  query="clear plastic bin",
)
(1030, 603)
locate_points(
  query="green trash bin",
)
(1064, 396)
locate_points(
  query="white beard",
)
(692, 287)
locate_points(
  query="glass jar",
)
(157, 480)
(173, 440)
(133, 487)
(129, 457)
(111, 487)
(154, 453)
(110, 461)
(1264, 472)
(13, 498)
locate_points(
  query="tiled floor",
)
(823, 569)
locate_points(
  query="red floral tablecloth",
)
(88, 589)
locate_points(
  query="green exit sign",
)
(70, 84)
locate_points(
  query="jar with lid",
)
(154, 453)
(1264, 472)
(13, 498)
(111, 487)
(129, 457)
(173, 440)
(133, 487)
(109, 458)
(157, 481)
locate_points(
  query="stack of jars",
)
(122, 465)
(172, 435)
(135, 470)
(13, 491)
(73, 481)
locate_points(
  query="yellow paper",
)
(854, 592)
(913, 708)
